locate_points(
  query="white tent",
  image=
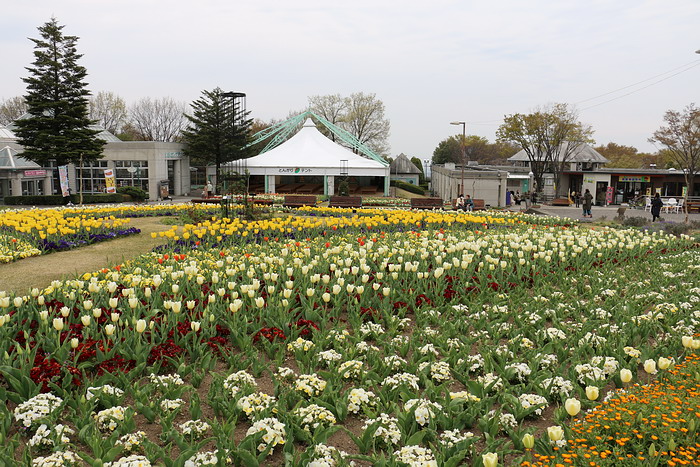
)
(310, 153)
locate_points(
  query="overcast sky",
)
(430, 62)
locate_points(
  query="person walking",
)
(656, 205)
(587, 203)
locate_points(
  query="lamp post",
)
(464, 137)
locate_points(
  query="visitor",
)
(208, 190)
(460, 203)
(577, 198)
(518, 198)
(587, 203)
(469, 204)
(656, 205)
(509, 198)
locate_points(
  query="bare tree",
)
(681, 139)
(332, 107)
(109, 111)
(158, 119)
(366, 121)
(11, 109)
(549, 136)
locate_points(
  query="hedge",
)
(57, 200)
(407, 186)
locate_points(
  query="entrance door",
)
(600, 189)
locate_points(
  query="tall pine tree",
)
(57, 126)
(215, 135)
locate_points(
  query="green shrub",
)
(635, 221)
(137, 194)
(408, 187)
(57, 200)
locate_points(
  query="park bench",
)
(693, 206)
(345, 202)
(479, 205)
(427, 203)
(297, 201)
(561, 202)
(206, 201)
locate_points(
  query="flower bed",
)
(393, 336)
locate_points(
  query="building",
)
(480, 182)
(148, 165)
(404, 170)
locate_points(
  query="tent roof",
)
(310, 148)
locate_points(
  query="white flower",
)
(274, 432)
(313, 416)
(416, 456)
(37, 407)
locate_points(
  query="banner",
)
(63, 178)
(110, 181)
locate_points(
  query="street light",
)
(464, 137)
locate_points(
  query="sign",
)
(295, 170)
(173, 155)
(35, 173)
(609, 195)
(635, 178)
(110, 181)
(63, 179)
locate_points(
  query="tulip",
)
(194, 325)
(572, 406)
(109, 329)
(687, 341)
(44, 315)
(41, 300)
(287, 293)
(114, 317)
(133, 302)
(555, 433)
(85, 319)
(175, 288)
(3, 319)
(191, 304)
(592, 392)
(490, 459)
(528, 441)
(96, 312)
(113, 302)
(18, 302)
(336, 289)
(87, 304)
(176, 307)
(360, 289)
(147, 292)
(664, 363)
(74, 342)
(625, 375)
(140, 326)
(4, 302)
(386, 291)
(326, 297)
(310, 292)
(260, 302)
(65, 311)
(235, 305)
(58, 324)
(695, 344)
(650, 366)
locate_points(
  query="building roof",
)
(310, 149)
(103, 134)
(403, 165)
(9, 159)
(584, 153)
(6, 134)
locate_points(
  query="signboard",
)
(635, 178)
(295, 170)
(173, 155)
(609, 195)
(110, 181)
(63, 179)
(35, 173)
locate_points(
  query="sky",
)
(622, 63)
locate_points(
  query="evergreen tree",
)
(216, 134)
(57, 127)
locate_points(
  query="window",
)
(91, 177)
(132, 173)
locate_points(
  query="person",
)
(518, 198)
(468, 204)
(208, 188)
(509, 198)
(656, 205)
(460, 202)
(587, 203)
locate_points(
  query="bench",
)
(345, 202)
(561, 202)
(427, 203)
(693, 206)
(479, 205)
(206, 201)
(297, 201)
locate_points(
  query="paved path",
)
(609, 213)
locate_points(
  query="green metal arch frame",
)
(281, 132)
